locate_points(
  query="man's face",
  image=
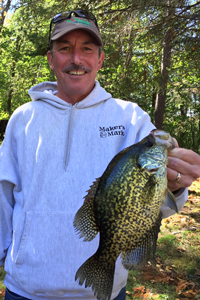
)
(75, 62)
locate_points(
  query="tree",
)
(4, 7)
(136, 35)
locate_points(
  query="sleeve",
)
(181, 197)
(9, 180)
(143, 126)
(6, 211)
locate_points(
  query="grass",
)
(175, 275)
(2, 287)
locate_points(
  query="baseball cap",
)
(67, 25)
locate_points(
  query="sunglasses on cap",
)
(67, 15)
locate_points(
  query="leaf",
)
(2, 292)
(147, 295)
(139, 291)
(190, 294)
(181, 249)
(181, 287)
(128, 293)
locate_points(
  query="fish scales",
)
(124, 206)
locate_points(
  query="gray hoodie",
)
(51, 154)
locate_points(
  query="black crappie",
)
(124, 206)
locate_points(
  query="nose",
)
(76, 57)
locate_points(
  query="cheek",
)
(59, 62)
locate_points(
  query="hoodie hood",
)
(47, 91)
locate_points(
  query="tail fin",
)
(97, 274)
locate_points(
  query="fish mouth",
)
(145, 168)
(163, 138)
(153, 170)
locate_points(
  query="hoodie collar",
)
(46, 92)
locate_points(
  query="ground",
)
(175, 275)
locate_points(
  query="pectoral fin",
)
(170, 201)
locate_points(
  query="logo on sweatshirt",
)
(111, 131)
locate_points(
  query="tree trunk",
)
(165, 65)
(4, 10)
(153, 99)
(161, 95)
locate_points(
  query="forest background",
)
(152, 56)
(152, 52)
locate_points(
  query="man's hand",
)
(183, 161)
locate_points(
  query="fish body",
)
(124, 206)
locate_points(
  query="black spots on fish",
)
(99, 275)
(124, 205)
(144, 249)
(85, 222)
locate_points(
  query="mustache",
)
(74, 67)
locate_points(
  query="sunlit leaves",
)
(132, 32)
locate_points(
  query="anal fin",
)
(98, 275)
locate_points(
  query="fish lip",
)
(162, 137)
(153, 170)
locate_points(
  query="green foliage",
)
(133, 33)
(2, 273)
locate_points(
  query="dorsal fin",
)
(92, 191)
(85, 221)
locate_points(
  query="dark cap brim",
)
(66, 26)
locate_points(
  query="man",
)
(54, 148)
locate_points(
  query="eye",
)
(149, 144)
(65, 48)
(87, 49)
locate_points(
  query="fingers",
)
(176, 143)
(183, 182)
(179, 166)
(183, 161)
(186, 155)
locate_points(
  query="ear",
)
(101, 59)
(50, 60)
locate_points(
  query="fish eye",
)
(149, 144)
